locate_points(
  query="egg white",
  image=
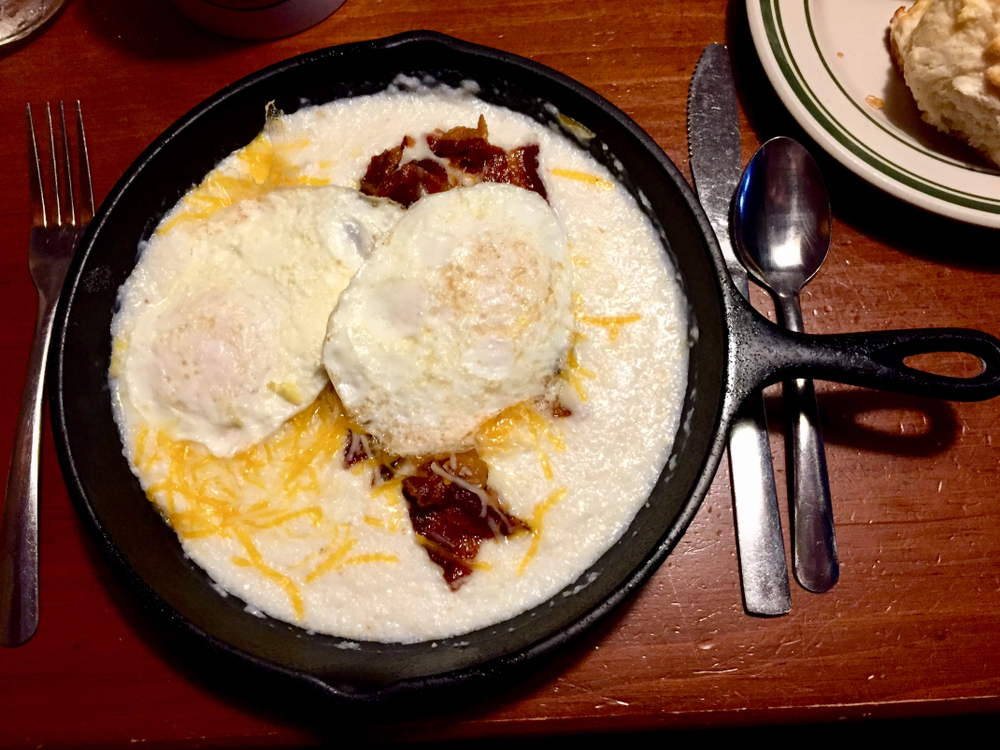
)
(220, 328)
(462, 310)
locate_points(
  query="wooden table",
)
(910, 630)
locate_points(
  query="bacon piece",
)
(523, 165)
(382, 166)
(519, 167)
(407, 182)
(451, 519)
(457, 140)
(466, 151)
(469, 150)
(559, 411)
(415, 179)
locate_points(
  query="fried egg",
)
(462, 310)
(220, 329)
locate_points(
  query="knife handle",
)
(763, 569)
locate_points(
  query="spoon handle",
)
(814, 542)
(814, 545)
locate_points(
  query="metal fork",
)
(59, 216)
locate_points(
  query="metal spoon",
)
(19, 18)
(782, 225)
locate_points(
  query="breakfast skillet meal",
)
(402, 367)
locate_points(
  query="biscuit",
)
(949, 54)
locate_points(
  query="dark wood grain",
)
(910, 630)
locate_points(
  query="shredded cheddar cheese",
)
(574, 373)
(590, 179)
(507, 429)
(203, 495)
(536, 525)
(266, 165)
(270, 573)
(339, 557)
(390, 494)
(611, 322)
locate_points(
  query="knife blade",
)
(716, 166)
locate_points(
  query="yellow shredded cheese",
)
(574, 373)
(267, 166)
(203, 495)
(611, 322)
(507, 430)
(590, 179)
(286, 583)
(537, 523)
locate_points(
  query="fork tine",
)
(86, 187)
(55, 165)
(58, 201)
(36, 191)
(67, 167)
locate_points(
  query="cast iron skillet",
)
(733, 352)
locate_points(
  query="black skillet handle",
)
(878, 359)
(875, 360)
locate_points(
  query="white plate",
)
(826, 58)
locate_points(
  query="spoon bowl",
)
(782, 216)
(782, 225)
(21, 18)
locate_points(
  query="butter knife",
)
(716, 165)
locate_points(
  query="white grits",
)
(631, 351)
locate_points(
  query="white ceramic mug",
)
(257, 19)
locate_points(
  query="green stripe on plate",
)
(778, 42)
(874, 121)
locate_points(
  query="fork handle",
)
(19, 534)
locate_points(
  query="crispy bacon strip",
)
(466, 149)
(405, 182)
(522, 164)
(467, 153)
(382, 166)
(452, 508)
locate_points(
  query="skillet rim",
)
(153, 601)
